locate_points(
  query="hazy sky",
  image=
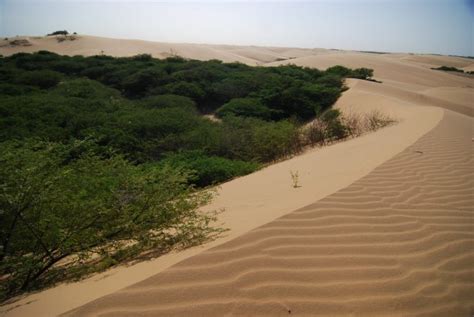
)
(422, 26)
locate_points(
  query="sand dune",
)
(411, 76)
(383, 223)
(397, 242)
(436, 60)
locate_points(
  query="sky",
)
(418, 26)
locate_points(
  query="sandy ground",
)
(379, 202)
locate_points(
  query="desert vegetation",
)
(452, 69)
(104, 159)
(61, 32)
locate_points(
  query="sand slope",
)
(398, 242)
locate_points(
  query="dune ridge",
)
(394, 243)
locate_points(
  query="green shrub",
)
(275, 140)
(142, 57)
(168, 101)
(335, 129)
(361, 73)
(41, 78)
(69, 67)
(140, 82)
(64, 32)
(330, 80)
(66, 201)
(182, 88)
(449, 69)
(245, 107)
(14, 90)
(87, 89)
(209, 170)
(250, 139)
(339, 70)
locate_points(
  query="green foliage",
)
(64, 32)
(40, 78)
(209, 170)
(339, 70)
(182, 88)
(14, 90)
(245, 107)
(86, 89)
(168, 101)
(140, 82)
(69, 202)
(250, 139)
(275, 140)
(362, 73)
(449, 69)
(142, 57)
(335, 129)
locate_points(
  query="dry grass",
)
(353, 124)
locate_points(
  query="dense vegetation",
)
(63, 32)
(452, 69)
(102, 156)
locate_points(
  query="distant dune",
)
(382, 225)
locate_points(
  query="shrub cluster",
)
(63, 32)
(449, 69)
(69, 202)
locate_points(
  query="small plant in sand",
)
(295, 179)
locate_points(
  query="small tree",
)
(65, 203)
(63, 32)
(362, 73)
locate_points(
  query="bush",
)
(449, 69)
(272, 141)
(250, 139)
(182, 88)
(168, 101)
(14, 90)
(209, 170)
(339, 70)
(64, 32)
(140, 82)
(245, 107)
(362, 73)
(67, 202)
(69, 67)
(87, 89)
(41, 78)
(335, 129)
(142, 57)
